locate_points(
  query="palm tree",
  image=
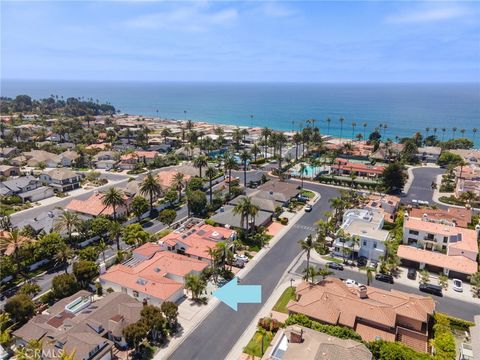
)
(309, 273)
(341, 127)
(354, 124)
(150, 187)
(178, 184)
(246, 208)
(200, 162)
(102, 247)
(195, 284)
(266, 133)
(64, 255)
(32, 350)
(210, 174)
(308, 244)
(12, 240)
(454, 130)
(324, 272)
(114, 198)
(229, 164)
(114, 233)
(213, 254)
(369, 276)
(68, 221)
(474, 131)
(165, 133)
(303, 169)
(462, 131)
(297, 139)
(5, 329)
(364, 129)
(328, 125)
(245, 157)
(255, 151)
(443, 133)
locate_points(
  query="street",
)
(221, 329)
(421, 188)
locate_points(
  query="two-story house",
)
(61, 180)
(28, 188)
(366, 226)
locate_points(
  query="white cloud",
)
(429, 14)
(186, 18)
(275, 9)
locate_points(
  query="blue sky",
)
(315, 41)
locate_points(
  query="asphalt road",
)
(221, 329)
(421, 188)
(454, 307)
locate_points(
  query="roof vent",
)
(157, 269)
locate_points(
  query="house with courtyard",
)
(93, 206)
(82, 326)
(375, 314)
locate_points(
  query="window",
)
(117, 338)
(135, 293)
(364, 242)
(413, 232)
(374, 244)
(445, 239)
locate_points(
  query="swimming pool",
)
(309, 172)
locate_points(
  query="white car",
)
(423, 202)
(457, 285)
(241, 257)
(352, 282)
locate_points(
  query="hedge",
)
(386, 350)
(456, 323)
(347, 183)
(333, 330)
(443, 341)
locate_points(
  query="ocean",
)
(405, 108)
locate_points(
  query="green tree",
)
(170, 310)
(447, 158)
(443, 281)
(424, 276)
(90, 253)
(30, 289)
(393, 177)
(48, 246)
(303, 169)
(171, 196)
(230, 164)
(114, 232)
(195, 284)
(200, 162)
(100, 225)
(135, 333)
(114, 198)
(85, 271)
(12, 240)
(324, 272)
(210, 173)
(310, 273)
(20, 307)
(167, 216)
(152, 316)
(139, 206)
(245, 156)
(68, 221)
(247, 211)
(150, 187)
(197, 202)
(194, 184)
(475, 282)
(6, 328)
(178, 183)
(307, 245)
(64, 285)
(134, 234)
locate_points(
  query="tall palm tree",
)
(114, 198)
(255, 151)
(297, 139)
(266, 133)
(281, 140)
(102, 247)
(462, 131)
(166, 132)
(114, 232)
(178, 182)
(229, 164)
(68, 221)
(443, 133)
(64, 255)
(245, 157)
(474, 131)
(210, 174)
(246, 208)
(303, 169)
(354, 124)
(364, 130)
(454, 130)
(12, 240)
(427, 130)
(200, 162)
(150, 187)
(341, 126)
(328, 125)
(308, 244)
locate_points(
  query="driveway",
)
(421, 188)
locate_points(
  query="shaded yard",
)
(281, 305)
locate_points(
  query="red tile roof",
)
(462, 217)
(91, 206)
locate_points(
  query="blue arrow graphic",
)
(232, 294)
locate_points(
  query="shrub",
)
(333, 330)
(443, 341)
(284, 221)
(270, 324)
(110, 290)
(210, 222)
(456, 323)
(385, 350)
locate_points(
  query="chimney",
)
(362, 292)
(296, 335)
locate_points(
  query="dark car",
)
(362, 261)
(334, 265)
(412, 274)
(385, 278)
(431, 289)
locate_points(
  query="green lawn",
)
(254, 347)
(307, 193)
(281, 305)
(332, 259)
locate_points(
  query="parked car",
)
(458, 285)
(423, 202)
(308, 208)
(373, 265)
(362, 261)
(241, 257)
(431, 289)
(412, 274)
(385, 278)
(352, 282)
(334, 265)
